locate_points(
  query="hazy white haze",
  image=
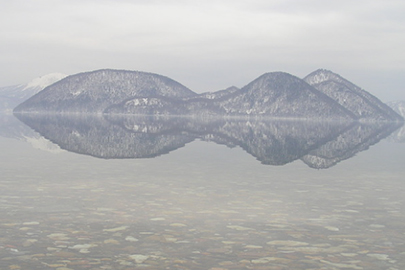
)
(207, 45)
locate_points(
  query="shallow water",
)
(207, 204)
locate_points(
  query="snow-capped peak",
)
(44, 81)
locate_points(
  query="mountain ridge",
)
(320, 95)
(358, 101)
(93, 91)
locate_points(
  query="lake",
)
(109, 192)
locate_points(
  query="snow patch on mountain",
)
(320, 76)
(44, 81)
(11, 96)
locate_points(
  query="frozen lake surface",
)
(200, 198)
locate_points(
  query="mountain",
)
(280, 94)
(321, 95)
(398, 107)
(11, 96)
(218, 94)
(274, 94)
(93, 92)
(359, 102)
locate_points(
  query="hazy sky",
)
(207, 45)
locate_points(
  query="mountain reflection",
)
(318, 144)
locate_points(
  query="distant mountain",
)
(321, 95)
(219, 94)
(93, 92)
(359, 102)
(11, 96)
(275, 94)
(320, 144)
(280, 94)
(398, 107)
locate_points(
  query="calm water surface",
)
(212, 202)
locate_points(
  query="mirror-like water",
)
(215, 195)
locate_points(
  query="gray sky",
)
(207, 45)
